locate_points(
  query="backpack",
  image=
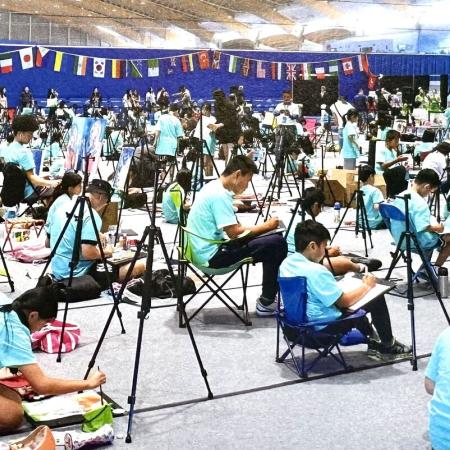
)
(13, 188)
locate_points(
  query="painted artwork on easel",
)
(122, 169)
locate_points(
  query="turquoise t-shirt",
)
(18, 154)
(15, 339)
(210, 213)
(349, 149)
(60, 262)
(323, 290)
(173, 197)
(372, 196)
(382, 156)
(438, 370)
(170, 129)
(56, 205)
(419, 219)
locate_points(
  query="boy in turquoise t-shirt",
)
(327, 302)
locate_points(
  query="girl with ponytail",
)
(26, 314)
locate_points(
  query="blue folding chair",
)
(298, 331)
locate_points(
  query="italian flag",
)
(6, 63)
(118, 68)
(79, 65)
(333, 68)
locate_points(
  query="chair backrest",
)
(391, 212)
(14, 181)
(294, 294)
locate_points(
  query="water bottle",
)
(443, 281)
(337, 212)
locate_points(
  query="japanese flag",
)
(99, 67)
(26, 57)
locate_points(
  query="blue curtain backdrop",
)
(200, 82)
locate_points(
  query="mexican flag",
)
(6, 63)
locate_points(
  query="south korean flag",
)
(99, 67)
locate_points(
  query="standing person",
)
(324, 106)
(350, 148)
(26, 98)
(150, 99)
(437, 384)
(163, 98)
(36, 187)
(287, 114)
(212, 217)
(361, 105)
(207, 133)
(26, 314)
(168, 131)
(339, 110)
(52, 103)
(226, 115)
(3, 104)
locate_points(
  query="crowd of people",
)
(224, 126)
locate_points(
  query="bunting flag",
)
(58, 61)
(153, 68)
(245, 67)
(320, 73)
(276, 70)
(80, 65)
(306, 71)
(232, 66)
(40, 53)
(260, 70)
(118, 68)
(372, 82)
(216, 59)
(6, 64)
(333, 68)
(187, 63)
(172, 65)
(363, 63)
(26, 57)
(98, 70)
(136, 69)
(347, 66)
(203, 59)
(291, 72)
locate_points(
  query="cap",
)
(101, 187)
(24, 123)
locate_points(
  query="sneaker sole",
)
(265, 313)
(374, 354)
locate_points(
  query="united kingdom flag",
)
(291, 72)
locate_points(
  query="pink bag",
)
(32, 251)
(47, 339)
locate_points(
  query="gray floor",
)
(259, 404)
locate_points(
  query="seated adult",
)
(36, 187)
(99, 193)
(334, 261)
(438, 161)
(327, 301)
(212, 217)
(26, 314)
(174, 197)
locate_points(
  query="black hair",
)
(43, 300)
(24, 123)
(242, 163)
(184, 179)
(207, 106)
(352, 113)
(309, 231)
(392, 134)
(69, 179)
(312, 195)
(173, 107)
(365, 172)
(427, 176)
(443, 147)
(287, 91)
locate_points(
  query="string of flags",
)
(98, 67)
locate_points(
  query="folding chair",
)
(207, 276)
(298, 331)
